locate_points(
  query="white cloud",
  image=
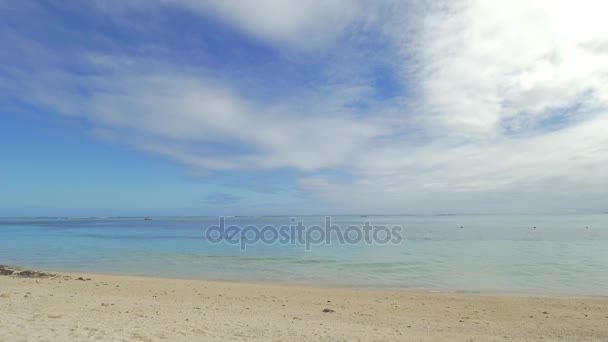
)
(562, 171)
(304, 24)
(487, 66)
(301, 22)
(512, 98)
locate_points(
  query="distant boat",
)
(147, 218)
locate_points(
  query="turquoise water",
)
(564, 254)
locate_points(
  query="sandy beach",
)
(72, 307)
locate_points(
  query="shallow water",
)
(564, 254)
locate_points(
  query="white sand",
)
(109, 308)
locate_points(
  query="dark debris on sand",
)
(16, 272)
(5, 270)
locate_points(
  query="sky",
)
(288, 107)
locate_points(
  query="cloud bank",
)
(395, 107)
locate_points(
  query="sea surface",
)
(527, 254)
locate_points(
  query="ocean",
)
(516, 254)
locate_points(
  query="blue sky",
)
(289, 107)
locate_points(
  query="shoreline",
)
(357, 288)
(75, 306)
(482, 293)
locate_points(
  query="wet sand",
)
(72, 307)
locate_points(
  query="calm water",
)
(488, 254)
